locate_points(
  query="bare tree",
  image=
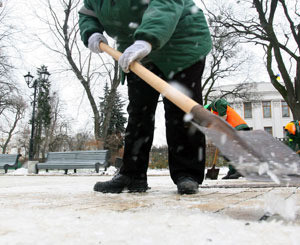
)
(273, 25)
(6, 34)
(10, 119)
(12, 106)
(79, 141)
(7, 86)
(22, 139)
(244, 91)
(7, 92)
(57, 129)
(63, 25)
(226, 57)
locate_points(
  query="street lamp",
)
(43, 75)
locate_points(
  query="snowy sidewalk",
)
(65, 210)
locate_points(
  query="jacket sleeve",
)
(88, 22)
(159, 22)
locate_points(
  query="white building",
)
(265, 110)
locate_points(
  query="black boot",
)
(229, 173)
(226, 176)
(120, 182)
(236, 175)
(187, 185)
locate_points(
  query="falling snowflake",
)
(194, 10)
(133, 25)
(187, 117)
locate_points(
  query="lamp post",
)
(43, 75)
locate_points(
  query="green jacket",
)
(221, 107)
(177, 29)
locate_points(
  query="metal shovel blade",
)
(280, 164)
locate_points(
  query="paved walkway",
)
(238, 199)
(37, 198)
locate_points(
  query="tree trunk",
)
(10, 133)
(296, 111)
(79, 75)
(289, 91)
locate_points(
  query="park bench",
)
(9, 161)
(75, 160)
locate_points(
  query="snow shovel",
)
(255, 154)
(213, 172)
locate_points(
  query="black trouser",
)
(186, 145)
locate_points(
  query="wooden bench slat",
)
(9, 160)
(75, 160)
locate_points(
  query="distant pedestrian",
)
(222, 108)
(293, 134)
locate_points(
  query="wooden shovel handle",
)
(178, 98)
(215, 157)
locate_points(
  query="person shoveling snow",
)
(146, 32)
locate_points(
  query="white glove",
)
(94, 42)
(137, 51)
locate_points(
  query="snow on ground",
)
(80, 172)
(110, 171)
(52, 208)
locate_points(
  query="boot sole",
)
(120, 189)
(106, 189)
(136, 186)
(109, 191)
(138, 189)
(187, 191)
